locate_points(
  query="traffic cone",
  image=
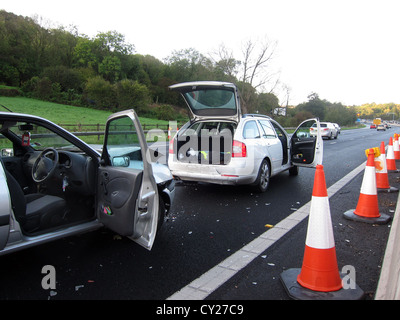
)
(319, 277)
(367, 209)
(382, 178)
(320, 271)
(396, 149)
(390, 161)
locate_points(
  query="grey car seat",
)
(36, 211)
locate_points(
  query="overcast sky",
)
(345, 51)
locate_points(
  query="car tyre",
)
(264, 174)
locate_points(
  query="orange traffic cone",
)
(396, 149)
(367, 209)
(382, 178)
(320, 271)
(319, 277)
(390, 161)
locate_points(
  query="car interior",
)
(51, 181)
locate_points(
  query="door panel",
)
(306, 150)
(127, 191)
(118, 190)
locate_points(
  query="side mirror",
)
(122, 161)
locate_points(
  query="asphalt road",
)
(207, 224)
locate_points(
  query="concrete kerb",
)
(389, 280)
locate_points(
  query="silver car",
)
(52, 184)
(220, 145)
(327, 129)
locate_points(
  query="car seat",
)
(35, 212)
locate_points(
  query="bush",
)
(132, 94)
(43, 89)
(9, 74)
(166, 112)
(10, 91)
(66, 77)
(100, 93)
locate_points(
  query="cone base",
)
(388, 190)
(298, 292)
(350, 215)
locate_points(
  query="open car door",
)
(306, 149)
(127, 195)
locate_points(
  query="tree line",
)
(61, 65)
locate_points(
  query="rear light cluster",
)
(239, 149)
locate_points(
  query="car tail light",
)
(238, 149)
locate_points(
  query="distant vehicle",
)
(328, 130)
(372, 126)
(337, 127)
(381, 127)
(377, 121)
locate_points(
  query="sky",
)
(345, 51)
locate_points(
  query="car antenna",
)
(5, 108)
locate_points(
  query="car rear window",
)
(203, 101)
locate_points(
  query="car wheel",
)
(263, 177)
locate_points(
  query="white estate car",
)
(220, 145)
(328, 130)
(52, 184)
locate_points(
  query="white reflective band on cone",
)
(320, 231)
(369, 181)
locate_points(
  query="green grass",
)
(62, 114)
(70, 116)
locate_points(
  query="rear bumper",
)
(237, 172)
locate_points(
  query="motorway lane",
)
(207, 224)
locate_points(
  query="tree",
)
(132, 94)
(315, 106)
(110, 68)
(188, 65)
(255, 69)
(225, 65)
(100, 93)
(267, 103)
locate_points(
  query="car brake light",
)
(238, 149)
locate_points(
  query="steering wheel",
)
(44, 165)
